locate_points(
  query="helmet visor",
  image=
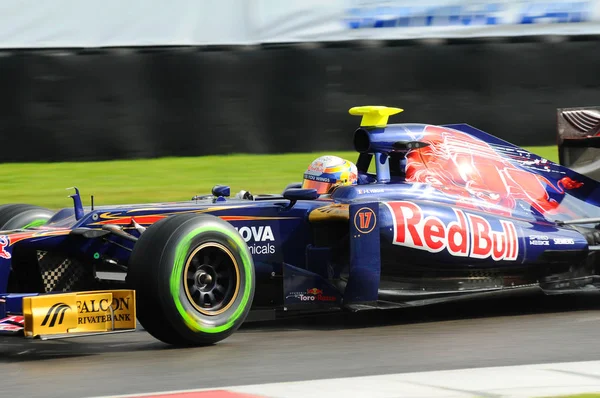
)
(321, 187)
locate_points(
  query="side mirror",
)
(296, 194)
(292, 185)
(221, 190)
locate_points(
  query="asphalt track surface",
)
(495, 332)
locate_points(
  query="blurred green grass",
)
(159, 180)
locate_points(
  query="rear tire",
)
(194, 279)
(16, 216)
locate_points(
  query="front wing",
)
(61, 315)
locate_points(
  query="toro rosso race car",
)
(440, 213)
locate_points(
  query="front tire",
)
(194, 279)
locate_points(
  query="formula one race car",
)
(450, 212)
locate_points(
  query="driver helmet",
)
(328, 172)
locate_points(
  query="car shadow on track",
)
(19, 349)
(16, 349)
(451, 311)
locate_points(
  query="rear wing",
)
(579, 139)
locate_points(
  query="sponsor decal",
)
(89, 310)
(539, 240)
(563, 241)
(367, 191)
(3, 243)
(49, 314)
(365, 220)
(55, 315)
(83, 320)
(317, 178)
(317, 166)
(468, 235)
(312, 294)
(256, 236)
(544, 240)
(94, 311)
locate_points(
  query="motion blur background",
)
(113, 79)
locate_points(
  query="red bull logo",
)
(3, 243)
(468, 235)
(312, 295)
(317, 166)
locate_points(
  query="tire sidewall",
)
(28, 219)
(18, 216)
(180, 312)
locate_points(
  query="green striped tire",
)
(16, 216)
(194, 279)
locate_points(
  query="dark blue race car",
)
(439, 213)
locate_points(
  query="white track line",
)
(505, 381)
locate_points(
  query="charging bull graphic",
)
(468, 168)
(3, 243)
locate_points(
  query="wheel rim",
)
(212, 278)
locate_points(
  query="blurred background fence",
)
(120, 79)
